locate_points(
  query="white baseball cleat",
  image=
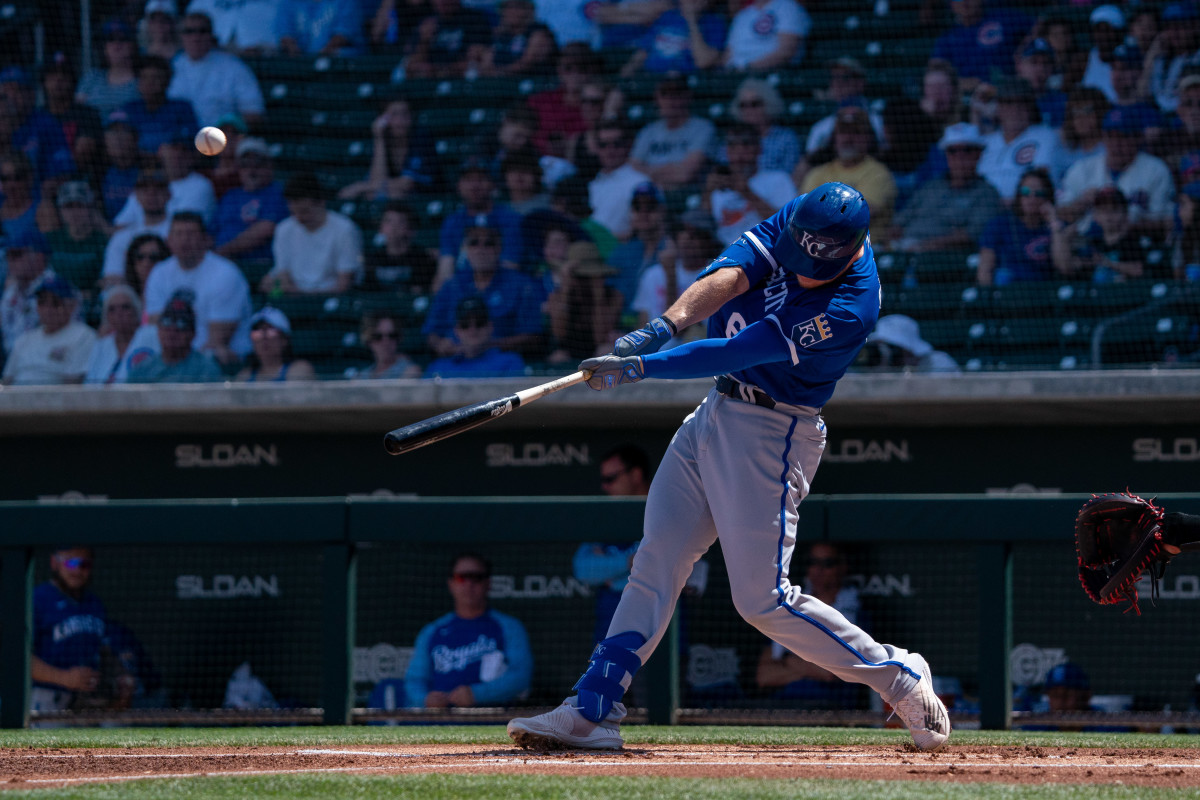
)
(565, 728)
(923, 712)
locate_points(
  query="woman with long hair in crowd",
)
(1081, 135)
(144, 252)
(400, 161)
(381, 333)
(1016, 245)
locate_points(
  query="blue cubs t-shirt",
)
(240, 209)
(1022, 254)
(824, 327)
(67, 632)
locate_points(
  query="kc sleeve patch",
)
(811, 332)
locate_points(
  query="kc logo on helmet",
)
(812, 331)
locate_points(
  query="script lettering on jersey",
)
(812, 331)
(225, 455)
(78, 626)
(776, 291)
(453, 659)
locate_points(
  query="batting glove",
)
(649, 339)
(609, 371)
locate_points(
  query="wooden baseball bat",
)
(452, 423)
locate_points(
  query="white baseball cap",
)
(1107, 15)
(273, 317)
(961, 133)
(901, 331)
(161, 7)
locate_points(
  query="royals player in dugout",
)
(789, 305)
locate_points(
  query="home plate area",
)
(27, 768)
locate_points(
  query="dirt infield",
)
(1175, 768)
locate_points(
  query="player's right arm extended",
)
(759, 343)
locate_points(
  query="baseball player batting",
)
(789, 305)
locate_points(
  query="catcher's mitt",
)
(1117, 537)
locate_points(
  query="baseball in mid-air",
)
(210, 141)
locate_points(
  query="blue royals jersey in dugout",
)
(825, 328)
(466, 651)
(67, 632)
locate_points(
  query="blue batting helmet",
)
(824, 232)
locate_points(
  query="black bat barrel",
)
(443, 426)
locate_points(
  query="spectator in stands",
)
(792, 680)
(121, 150)
(1186, 255)
(19, 208)
(847, 87)
(246, 27)
(144, 252)
(36, 135)
(1144, 179)
(611, 191)
(114, 84)
(69, 630)
(478, 355)
(673, 149)
(1126, 76)
(223, 168)
(683, 39)
(1035, 66)
(152, 194)
(1057, 27)
(120, 316)
(451, 42)
(393, 22)
(584, 311)
(1015, 246)
(78, 246)
(739, 194)
(26, 253)
(491, 665)
(557, 238)
(402, 160)
(949, 212)
(400, 265)
(559, 113)
(220, 296)
(80, 124)
(523, 188)
(1109, 249)
(272, 360)
(766, 34)
(941, 100)
(514, 299)
(661, 284)
(982, 43)
(581, 151)
(1108, 31)
(158, 34)
(155, 117)
(247, 215)
(896, 344)
(57, 350)
(317, 251)
(1172, 51)
(177, 360)
(319, 27)
(758, 104)
(1020, 141)
(213, 81)
(853, 138)
(381, 332)
(1179, 146)
(521, 45)
(1081, 135)
(515, 133)
(189, 190)
(909, 144)
(649, 242)
(476, 191)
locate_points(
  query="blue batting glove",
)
(649, 339)
(609, 371)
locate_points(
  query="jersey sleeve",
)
(759, 343)
(598, 568)
(420, 670)
(514, 681)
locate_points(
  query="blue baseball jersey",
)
(824, 328)
(489, 653)
(67, 632)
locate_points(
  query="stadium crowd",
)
(1037, 142)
